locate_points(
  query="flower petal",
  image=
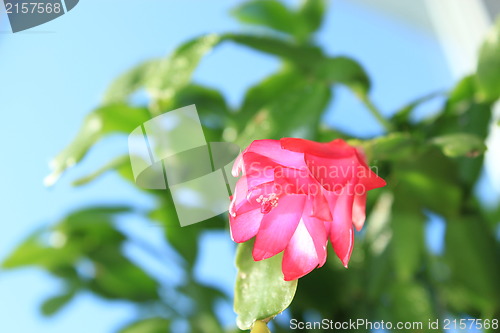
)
(335, 149)
(301, 255)
(341, 228)
(332, 174)
(320, 208)
(369, 179)
(295, 181)
(246, 198)
(245, 226)
(358, 211)
(278, 226)
(272, 150)
(237, 166)
(318, 232)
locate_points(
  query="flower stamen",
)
(267, 203)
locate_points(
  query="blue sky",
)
(52, 75)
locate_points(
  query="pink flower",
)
(295, 195)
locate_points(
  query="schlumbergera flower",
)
(295, 195)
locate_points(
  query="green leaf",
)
(118, 278)
(313, 12)
(54, 304)
(488, 68)
(114, 164)
(78, 233)
(402, 117)
(211, 106)
(271, 14)
(430, 180)
(392, 147)
(463, 92)
(294, 114)
(116, 118)
(261, 291)
(463, 113)
(150, 325)
(460, 144)
(162, 78)
(305, 57)
(266, 92)
(346, 71)
(126, 84)
(34, 252)
(174, 72)
(185, 242)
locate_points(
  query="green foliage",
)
(431, 166)
(272, 14)
(275, 15)
(313, 11)
(344, 71)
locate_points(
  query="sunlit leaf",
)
(271, 14)
(261, 291)
(54, 304)
(305, 57)
(313, 12)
